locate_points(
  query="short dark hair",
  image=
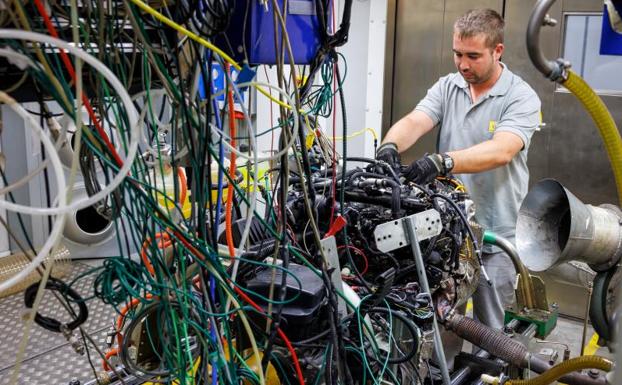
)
(476, 21)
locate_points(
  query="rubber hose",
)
(603, 120)
(569, 366)
(489, 339)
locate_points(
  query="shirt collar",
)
(498, 89)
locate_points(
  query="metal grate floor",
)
(49, 358)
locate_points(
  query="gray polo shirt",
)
(511, 105)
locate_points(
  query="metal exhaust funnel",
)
(554, 227)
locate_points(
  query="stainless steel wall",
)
(568, 148)
(422, 45)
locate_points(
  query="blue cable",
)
(212, 281)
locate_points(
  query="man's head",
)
(478, 44)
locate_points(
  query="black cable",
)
(382, 164)
(147, 311)
(396, 190)
(46, 175)
(68, 294)
(412, 328)
(453, 204)
(163, 375)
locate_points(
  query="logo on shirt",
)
(492, 125)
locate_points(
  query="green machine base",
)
(545, 321)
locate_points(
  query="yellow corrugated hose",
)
(569, 366)
(604, 122)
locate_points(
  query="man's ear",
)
(498, 51)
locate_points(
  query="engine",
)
(380, 287)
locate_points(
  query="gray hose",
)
(551, 69)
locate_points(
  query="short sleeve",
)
(521, 115)
(432, 103)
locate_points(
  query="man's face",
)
(474, 59)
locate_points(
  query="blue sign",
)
(219, 80)
(611, 38)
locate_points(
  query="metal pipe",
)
(551, 69)
(410, 224)
(526, 286)
(577, 274)
(586, 317)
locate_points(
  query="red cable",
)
(229, 203)
(359, 252)
(72, 73)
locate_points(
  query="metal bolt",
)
(549, 21)
(593, 373)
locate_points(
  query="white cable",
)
(125, 99)
(294, 129)
(251, 209)
(57, 167)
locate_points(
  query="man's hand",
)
(387, 153)
(425, 169)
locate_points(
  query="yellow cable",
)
(359, 133)
(190, 34)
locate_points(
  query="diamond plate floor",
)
(49, 358)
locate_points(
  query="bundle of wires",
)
(148, 162)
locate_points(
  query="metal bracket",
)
(391, 235)
(329, 248)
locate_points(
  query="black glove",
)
(425, 169)
(387, 153)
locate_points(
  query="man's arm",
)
(409, 129)
(487, 155)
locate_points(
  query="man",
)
(486, 116)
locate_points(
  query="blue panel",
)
(218, 81)
(251, 30)
(611, 41)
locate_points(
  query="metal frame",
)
(410, 226)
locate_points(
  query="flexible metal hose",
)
(572, 365)
(489, 339)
